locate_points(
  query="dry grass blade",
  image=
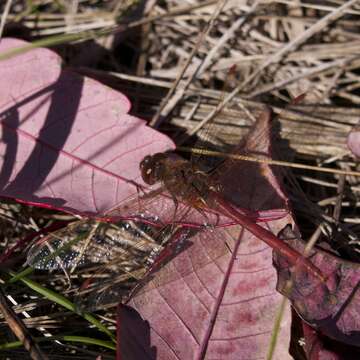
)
(168, 104)
(4, 16)
(19, 329)
(277, 57)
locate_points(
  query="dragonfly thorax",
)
(180, 177)
(161, 167)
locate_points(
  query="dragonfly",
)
(185, 181)
(184, 203)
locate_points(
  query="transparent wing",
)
(210, 132)
(111, 258)
(132, 225)
(86, 242)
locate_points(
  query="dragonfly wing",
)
(113, 257)
(61, 248)
(160, 208)
(91, 241)
(85, 243)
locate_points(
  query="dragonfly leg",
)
(176, 206)
(203, 213)
(138, 187)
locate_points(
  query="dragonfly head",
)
(152, 168)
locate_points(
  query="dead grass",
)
(188, 67)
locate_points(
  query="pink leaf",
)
(332, 307)
(353, 140)
(68, 141)
(225, 309)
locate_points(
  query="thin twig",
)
(339, 197)
(19, 329)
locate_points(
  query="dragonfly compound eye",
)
(146, 169)
(151, 168)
